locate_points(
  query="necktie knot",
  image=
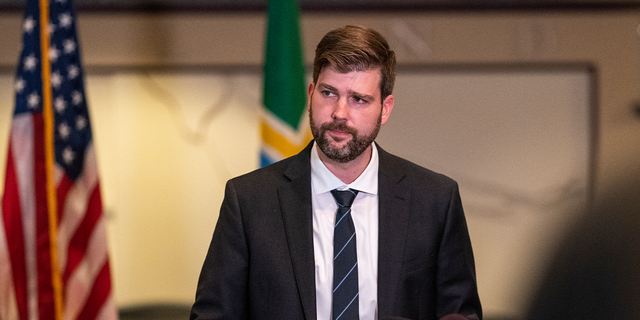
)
(344, 198)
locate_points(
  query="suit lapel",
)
(295, 204)
(394, 201)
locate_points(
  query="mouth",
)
(339, 132)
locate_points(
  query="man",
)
(402, 246)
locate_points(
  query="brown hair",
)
(357, 48)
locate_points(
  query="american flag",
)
(54, 262)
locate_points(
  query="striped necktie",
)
(345, 259)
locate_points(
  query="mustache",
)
(338, 126)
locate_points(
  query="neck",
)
(347, 172)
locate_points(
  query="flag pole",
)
(47, 114)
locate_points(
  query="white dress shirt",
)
(364, 212)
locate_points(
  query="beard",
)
(353, 149)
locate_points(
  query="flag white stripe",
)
(108, 310)
(22, 141)
(8, 304)
(292, 135)
(272, 152)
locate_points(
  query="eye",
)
(327, 93)
(359, 100)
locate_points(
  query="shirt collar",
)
(324, 181)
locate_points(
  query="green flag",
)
(283, 129)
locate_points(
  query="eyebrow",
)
(326, 86)
(351, 92)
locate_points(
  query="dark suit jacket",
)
(260, 264)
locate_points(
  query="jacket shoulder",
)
(277, 173)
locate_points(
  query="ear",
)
(387, 106)
(309, 95)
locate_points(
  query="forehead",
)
(364, 82)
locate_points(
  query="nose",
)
(341, 109)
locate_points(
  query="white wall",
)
(166, 146)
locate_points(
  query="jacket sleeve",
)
(222, 287)
(457, 290)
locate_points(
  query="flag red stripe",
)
(64, 186)
(99, 294)
(43, 246)
(63, 189)
(80, 240)
(12, 216)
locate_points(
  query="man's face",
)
(346, 112)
